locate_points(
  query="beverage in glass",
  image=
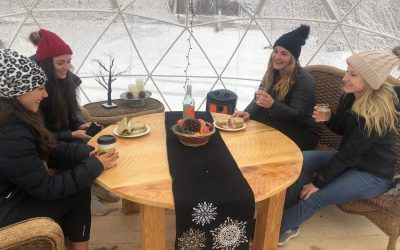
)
(323, 112)
(258, 89)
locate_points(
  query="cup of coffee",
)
(106, 143)
(323, 112)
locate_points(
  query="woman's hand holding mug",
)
(262, 98)
(322, 113)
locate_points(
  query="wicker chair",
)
(37, 233)
(384, 210)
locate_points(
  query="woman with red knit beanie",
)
(61, 109)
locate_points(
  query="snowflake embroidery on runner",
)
(204, 213)
(193, 239)
(229, 235)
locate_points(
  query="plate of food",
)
(128, 128)
(230, 124)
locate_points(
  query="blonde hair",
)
(286, 80)
(378, 108)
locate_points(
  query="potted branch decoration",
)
(106, 77)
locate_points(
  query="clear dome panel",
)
(157, 10)
(12, 7)
(376, 16)
(250, 58)
(333, 50)
(76, 4)
(70, 29)
(231, 40)
(29, 3)
(9, 26)
(21, 39)
(146, 34)
(220, 40)
(127, 60)
(176, 60)
(341, 8)
(362, 40)
(295, 9)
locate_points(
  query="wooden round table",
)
(269, 161)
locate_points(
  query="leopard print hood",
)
(18, 74)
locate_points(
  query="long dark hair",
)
(62, 102)
(45, 139)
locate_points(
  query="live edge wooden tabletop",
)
(269, 161)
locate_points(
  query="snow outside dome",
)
(230, 40)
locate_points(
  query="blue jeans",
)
(351, 185)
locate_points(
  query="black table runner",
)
(214, 204)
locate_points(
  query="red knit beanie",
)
(51, 45)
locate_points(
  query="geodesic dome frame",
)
(230, 40)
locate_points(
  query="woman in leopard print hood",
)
(27, 190)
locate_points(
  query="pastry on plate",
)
(222, 122)
(236, 122)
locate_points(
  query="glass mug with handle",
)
(323, 112)
(257, 90)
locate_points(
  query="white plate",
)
(132, 135)
(230, 129)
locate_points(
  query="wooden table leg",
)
(129, 207)
(268, 224)
(152, 221)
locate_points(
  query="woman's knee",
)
(315, 159)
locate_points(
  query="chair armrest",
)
(36, 233)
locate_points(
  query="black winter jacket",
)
(297, 107)
(372, 154)
(23, 172)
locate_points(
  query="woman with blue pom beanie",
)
(288, 96)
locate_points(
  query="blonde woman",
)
(288, 96)
(367, 118)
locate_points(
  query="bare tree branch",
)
(111, 76)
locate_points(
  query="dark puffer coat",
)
(23, 173)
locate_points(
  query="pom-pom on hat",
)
(294, 40)
(375, 66)
(18, 74)
(51, 45)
